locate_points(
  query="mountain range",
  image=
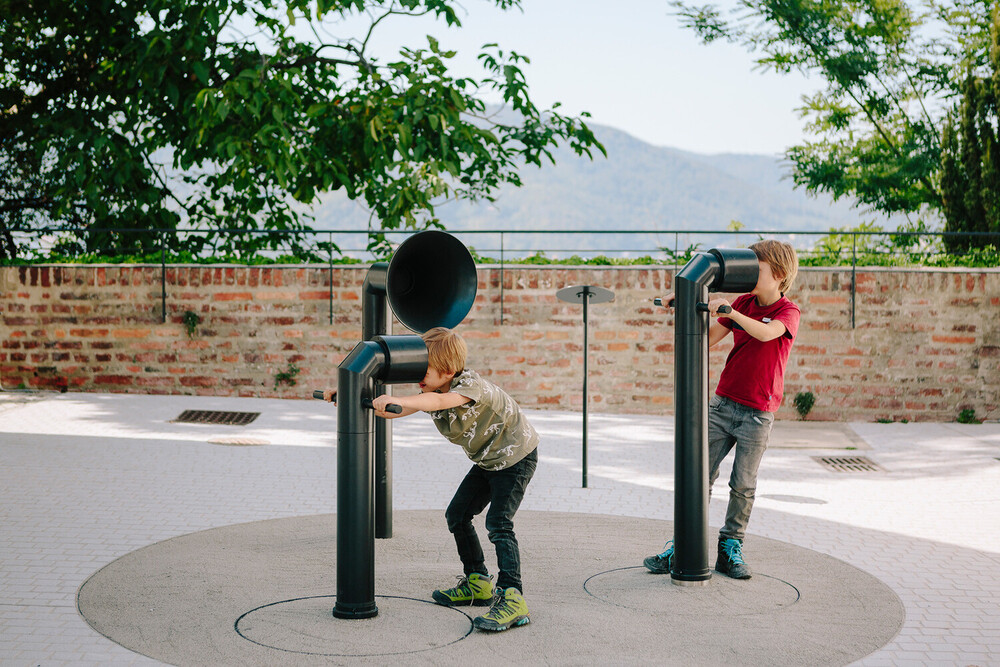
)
(638, 186)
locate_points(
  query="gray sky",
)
(633, 67)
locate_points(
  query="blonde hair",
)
(446, 350)
(781, 258)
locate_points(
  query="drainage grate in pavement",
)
(217, 417)
(849, 463)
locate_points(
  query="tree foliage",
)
(970, 162)
(238, 114)
(891, 70)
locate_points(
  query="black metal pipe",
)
(375, 319)
(586, 350)
(722, 270)
(355, 483)
(690, 563)
(391, 359)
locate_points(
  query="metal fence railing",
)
(505, 247)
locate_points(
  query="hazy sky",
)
(633, 67)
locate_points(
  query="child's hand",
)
(667, 301)
(379, 404)
(715, 304)
(329, 395)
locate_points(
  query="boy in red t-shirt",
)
(740, 415)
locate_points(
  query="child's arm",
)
(427, 402)
(717, 332)
(759, 330)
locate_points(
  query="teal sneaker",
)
(509, 610)
(660, 563)
(730, 561)
(475, 590)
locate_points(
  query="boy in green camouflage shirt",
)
(490, 427)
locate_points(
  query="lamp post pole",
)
(585, 294)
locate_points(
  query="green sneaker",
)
(475, 589)
(508, 610)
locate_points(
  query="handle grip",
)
(392, 407)
(701, 306)
(365, 402)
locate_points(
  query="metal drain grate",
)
(217, 417)
(849, 463)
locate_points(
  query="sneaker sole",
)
(655, 569)
(749, 576)
(444, 601)
(493, 627)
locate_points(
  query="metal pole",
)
(163, 276)
(375, 320)
(586, 299)
(501, 278)
(854, 275)
(331, 277)
(690, 567)
(355, 476)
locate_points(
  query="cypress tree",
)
(970, 156)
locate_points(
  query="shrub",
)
(803, 403)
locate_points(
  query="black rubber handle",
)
(366, 403)
(701, 306)
(392, 407)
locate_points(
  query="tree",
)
(891, 70)
(970, 160)
(163, 114)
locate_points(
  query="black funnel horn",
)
(431, 281)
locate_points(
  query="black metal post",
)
(716, 270)
(585, 295)
(586, 350)
(375, 319)
(690, 563)
(331, 278)
(501, 278)
(390, 359)
(355, 484)
(163, 275)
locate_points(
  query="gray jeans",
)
(731, 424)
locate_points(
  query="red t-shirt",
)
(754, 374)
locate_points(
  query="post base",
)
(690, 580)
(366, 611)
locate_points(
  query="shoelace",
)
(499, 605)
(668, 550)
(464, 581)
(734, 550)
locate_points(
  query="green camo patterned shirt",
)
(491, 429)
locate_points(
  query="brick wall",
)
(925, 343)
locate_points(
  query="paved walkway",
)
(89, 478)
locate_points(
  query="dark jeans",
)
(503, 491)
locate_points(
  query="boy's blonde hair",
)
(781, 258)
(446, 350)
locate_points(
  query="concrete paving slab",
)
(814, 435)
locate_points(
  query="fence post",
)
(163, 277)
(330, 255)
(501, 278)
(854, 274)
